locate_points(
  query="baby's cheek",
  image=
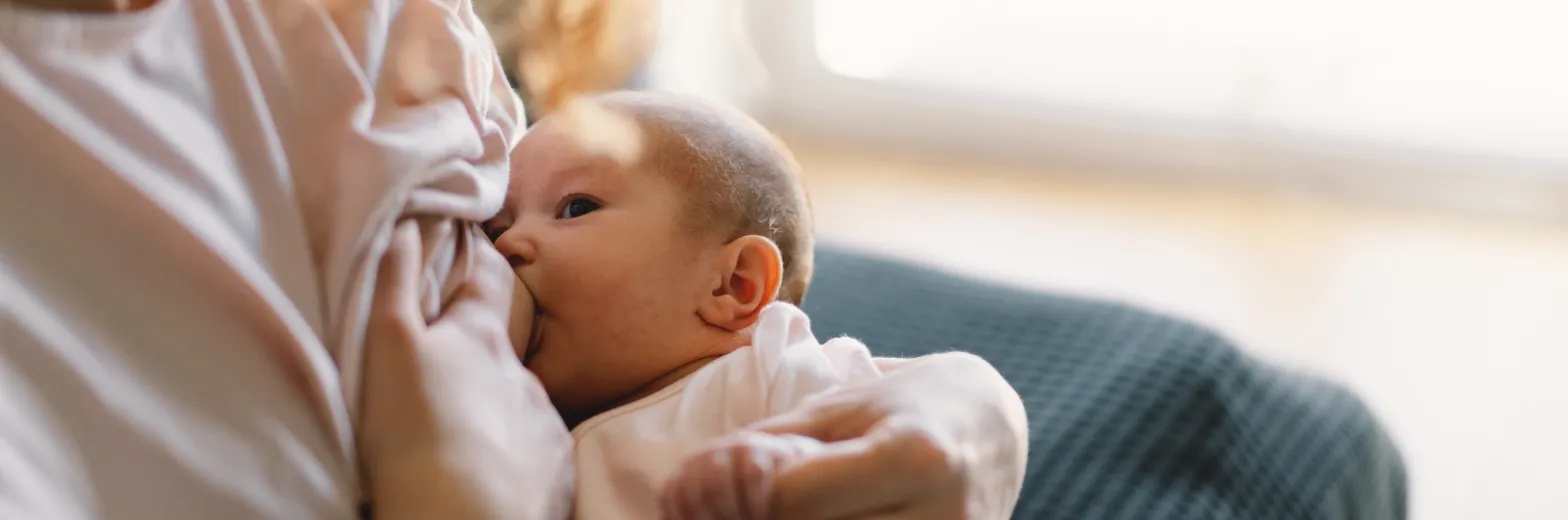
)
(521, 321)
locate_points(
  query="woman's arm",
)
(940, 436)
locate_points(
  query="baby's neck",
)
(667, 379)
(726, 343)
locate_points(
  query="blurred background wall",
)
(1374, 190)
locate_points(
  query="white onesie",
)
(625, 455)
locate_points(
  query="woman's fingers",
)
(440, 406)
(479, 311)
(391, 362)
(489, 283)
(395, 305)
(395, 323)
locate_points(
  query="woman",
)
(197, 197)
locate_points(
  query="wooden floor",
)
(1454, 328)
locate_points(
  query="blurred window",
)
(1467, 76)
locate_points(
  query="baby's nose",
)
(518, 248)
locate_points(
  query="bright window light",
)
(1469, 76)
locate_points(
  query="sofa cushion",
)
(1132, 415)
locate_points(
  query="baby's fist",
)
(733, 479)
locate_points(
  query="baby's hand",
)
(733, 479)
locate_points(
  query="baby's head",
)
(651, 230)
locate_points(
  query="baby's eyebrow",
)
(590, 171)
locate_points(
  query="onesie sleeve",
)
(803, 368)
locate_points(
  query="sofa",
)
(1132, 415)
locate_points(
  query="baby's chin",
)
(556, 381)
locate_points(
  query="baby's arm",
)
(733, 479)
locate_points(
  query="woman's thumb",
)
(813, 486)
(823, 420)
(803, 422)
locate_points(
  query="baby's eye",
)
(577, 206)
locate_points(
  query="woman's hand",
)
(453, 426)
(939, 437)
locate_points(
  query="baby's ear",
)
(748, 275)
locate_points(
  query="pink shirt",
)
(192, 200)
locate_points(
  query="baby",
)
(666, 244)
